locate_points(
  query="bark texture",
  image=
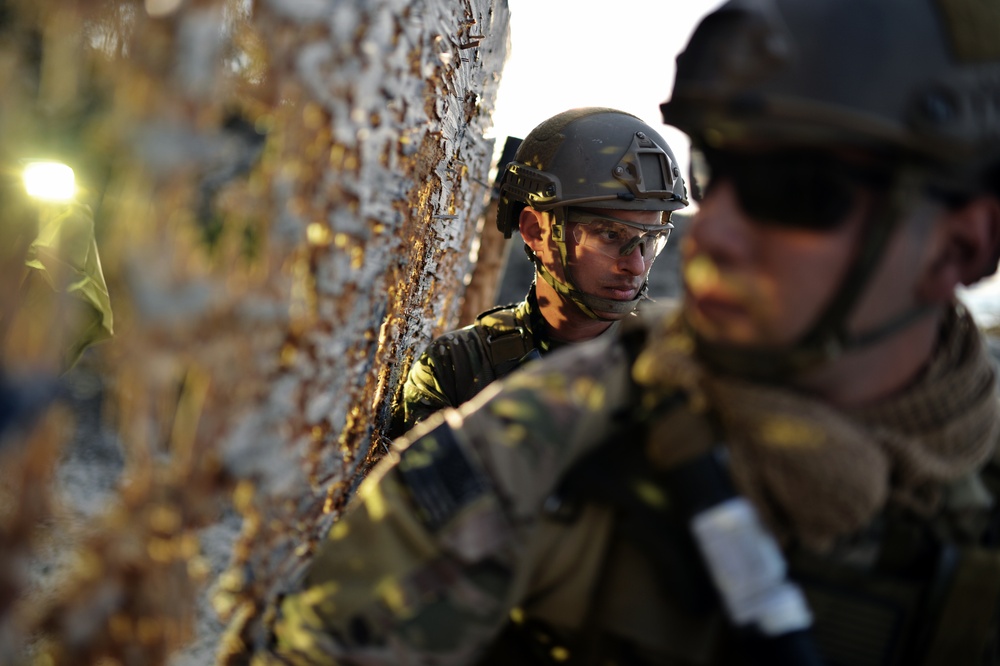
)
(285, 196)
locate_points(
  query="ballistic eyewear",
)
(614, 237)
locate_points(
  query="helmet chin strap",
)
(828, 338)
(589, 304)
(778, 365)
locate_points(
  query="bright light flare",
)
(49, 181)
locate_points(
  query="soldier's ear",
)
(969, 248)
(532, 224)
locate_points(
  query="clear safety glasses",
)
(615, 237)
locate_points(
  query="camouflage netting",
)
(283, 195)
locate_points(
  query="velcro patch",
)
(439, 477)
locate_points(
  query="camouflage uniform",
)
(458, 365)
(470, 529)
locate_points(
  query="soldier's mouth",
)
(621, 292)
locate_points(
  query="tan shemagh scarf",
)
(817, 473)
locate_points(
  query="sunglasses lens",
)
(796, 190)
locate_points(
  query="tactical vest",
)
(908, 591)
(506, 343)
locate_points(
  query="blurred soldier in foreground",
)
(794, 468)
(591, 190)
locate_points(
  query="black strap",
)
(615, 475)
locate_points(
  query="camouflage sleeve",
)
(423, 394)
(416, 572)
(451, 371)
(429, 560)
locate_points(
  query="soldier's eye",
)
(610, 234)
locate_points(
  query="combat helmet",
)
(917, 80)
(913, 83)
(594, 157)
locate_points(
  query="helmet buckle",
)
(559, 232)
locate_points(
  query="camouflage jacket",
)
(459, 364)
(464, 533)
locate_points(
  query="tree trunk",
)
(285, 199)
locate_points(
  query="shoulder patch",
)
(439, 477)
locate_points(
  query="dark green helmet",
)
(594, 157)
(916, 79)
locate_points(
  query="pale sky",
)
(566, 54)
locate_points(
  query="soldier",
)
(587, 188)
(796, 466)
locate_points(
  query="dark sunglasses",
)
(795, 189)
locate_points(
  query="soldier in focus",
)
(797, 467)
(591, 191)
